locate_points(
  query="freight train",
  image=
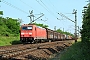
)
(30, 33)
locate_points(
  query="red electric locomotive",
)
(32, 33)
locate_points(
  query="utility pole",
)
(78, 31)
(63, 29)
(55, 28)
(75, 12)
(31, 16)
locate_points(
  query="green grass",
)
(78, 51)
(9, 40)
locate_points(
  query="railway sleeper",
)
(9, 55)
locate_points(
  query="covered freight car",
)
(50, 34)
(59, 36)
(55, 35)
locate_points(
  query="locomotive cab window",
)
(24, 28)
(27, 28)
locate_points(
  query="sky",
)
(50, 8)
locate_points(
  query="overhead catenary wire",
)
(65, 17)
(50, 11)
(53, 5)
(29, 5)
(61, 14)
(42, 5)
(32, 8)
(55, 9)
(46, 9)
(9, 4)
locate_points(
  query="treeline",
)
(85, 31)
(9, 26)
(41, 25)
(58, 30)
(67, 33)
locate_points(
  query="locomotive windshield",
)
(27, 28)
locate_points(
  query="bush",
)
(5, 34)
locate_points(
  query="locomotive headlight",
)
(30, 33)
(22, 33)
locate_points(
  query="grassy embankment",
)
(78, 51)
(9, 40)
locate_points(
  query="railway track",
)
(23, 52)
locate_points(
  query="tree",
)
(1, 12)
(41, 25)
(13, 25)
(60, 31)
(85, 32)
